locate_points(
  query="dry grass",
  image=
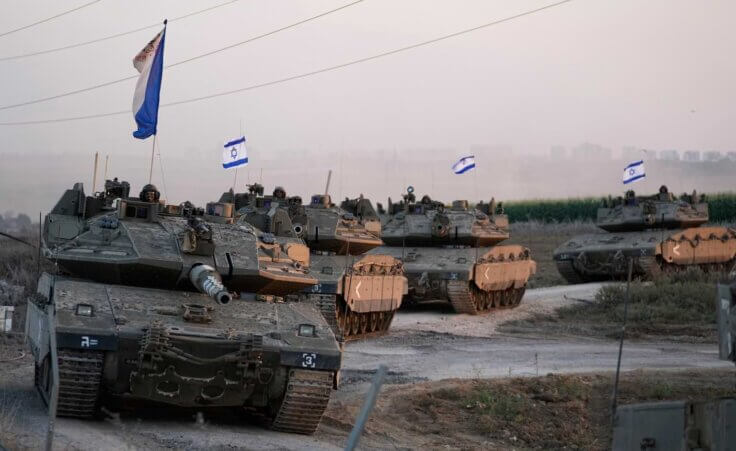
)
(678, 306)
(548, 412)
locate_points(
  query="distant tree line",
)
(722, 208)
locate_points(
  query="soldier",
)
(664, 194)
(279, 193)
(630, 198)
(149, 193)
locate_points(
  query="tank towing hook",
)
(208, 281)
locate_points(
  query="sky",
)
(657, 74)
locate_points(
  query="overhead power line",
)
(178, 63)
(25, 27)
(113, 36)
(305, 74)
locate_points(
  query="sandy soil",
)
(424, 345)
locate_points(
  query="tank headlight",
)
(84, 310)
(306, 330)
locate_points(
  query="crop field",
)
(722, 209)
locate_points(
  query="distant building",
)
(691, 155)
(712, 155)
(631, 153)
(590, 151)
(669, 155)
(558, 153)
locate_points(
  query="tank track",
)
(568, 272)
(80, 373)
(355, 325)
(465, 297)
(304, 403)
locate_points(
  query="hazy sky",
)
(651, 73)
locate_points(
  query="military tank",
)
(660, 233)
(211, 334)
(358, 294)
(451, 253)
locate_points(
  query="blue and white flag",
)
(464, 164)
(150, 64)
(234, 153)
(634, 172)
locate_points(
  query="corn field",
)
(722, 208)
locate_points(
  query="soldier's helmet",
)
(149, 193)
(663, 189)
(279, 193)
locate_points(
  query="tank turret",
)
(660, 211)
(430, 223)
(451, 253)
(146, 243)
(659, 232)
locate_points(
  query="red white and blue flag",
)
(150, 64)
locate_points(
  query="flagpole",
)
(150, 168)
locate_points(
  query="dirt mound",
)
(549, 412)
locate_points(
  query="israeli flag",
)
(464, 164)
(150, 64)
(234, 153)
(634, 172)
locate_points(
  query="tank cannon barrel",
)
(209, 282)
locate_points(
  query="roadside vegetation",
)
(547, 412)
(722, 207)
(678, 306)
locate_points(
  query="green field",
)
(722, 209)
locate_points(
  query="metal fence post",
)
(365, 411)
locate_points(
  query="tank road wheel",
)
(461, 297)
(519, 292)
(363, 322)
(568, 272)
(467, 298)
(374, 322)
(305, 401)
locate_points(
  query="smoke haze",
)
(654, 75)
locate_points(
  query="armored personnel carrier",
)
(451, 253)
(210, 334)
(659, 232)
(357, 294)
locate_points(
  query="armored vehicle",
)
(178, 308)
(451, 253)
(659, 232)
(142, 242)
(685, 425)
(182, 349)
(357, 294)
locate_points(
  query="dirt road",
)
(430, 343)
